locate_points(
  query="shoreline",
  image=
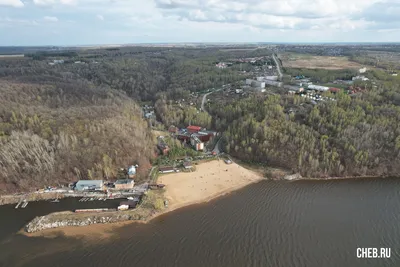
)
(33, 197)
(335, 178)
(104, 228)
(210, 181)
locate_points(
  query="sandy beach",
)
(210, 180)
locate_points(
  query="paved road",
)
(204, 100)
(278, 66)
(216, 148)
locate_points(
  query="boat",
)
(55, 200)
(130, 198)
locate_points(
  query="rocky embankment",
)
(63, 219)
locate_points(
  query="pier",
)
(24, 204)
(19, 203)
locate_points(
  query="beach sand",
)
(209, 181)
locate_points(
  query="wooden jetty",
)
(19, 204)
(24, 204)
(93, 210)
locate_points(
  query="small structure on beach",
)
(187, 165)
(156, 186)
(167, 169)
(124, 184)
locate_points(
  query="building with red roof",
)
(193, 128)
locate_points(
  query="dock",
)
(93, 210)
(24, 204)
(19, 203)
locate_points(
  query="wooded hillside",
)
(62, 129)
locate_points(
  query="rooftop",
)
(124, 181)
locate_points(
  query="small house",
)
(132, 171)
(124, 184)
(196, 143)
(173, 129)
(193, 128)
(166, 169)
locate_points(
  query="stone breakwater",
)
(63, 219)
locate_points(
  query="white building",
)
(360, 78)
(272, 78)
(363, 70)
(196, 143)
(318, 88)
(86, 185)
(221, 65)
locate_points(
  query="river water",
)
(271, 223)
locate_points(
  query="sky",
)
(90, 22)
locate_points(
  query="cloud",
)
(12, 22)
(44, 2)
(382, 16)
(289, 14)
(54, 2)
(69, 2)
(203, 20)
(50, 19)
(11, 3)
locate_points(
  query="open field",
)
(237, 49)
(293, 60)
(210, 180)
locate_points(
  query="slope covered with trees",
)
(355, 135)
(61, 129)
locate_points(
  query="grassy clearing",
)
(293, 60)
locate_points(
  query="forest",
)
(356, 135)
(64, 122)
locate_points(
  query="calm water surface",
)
(304, 224)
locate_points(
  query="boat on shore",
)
(55, 200)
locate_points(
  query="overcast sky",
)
(79, 22)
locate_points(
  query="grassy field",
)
(294, 60)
